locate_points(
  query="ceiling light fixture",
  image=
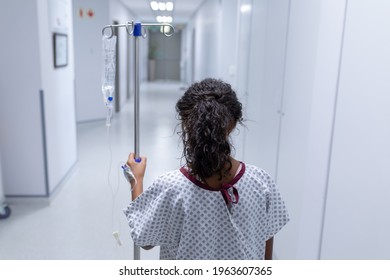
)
(154, 5)
(169, 6)
(161, 6)
(246, 8)
(164, 19)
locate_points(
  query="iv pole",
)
(137, 30)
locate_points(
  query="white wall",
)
(317, 117)
(234, 63)
(297, 107)
(357, 223)
(205, 23)
(215, 27)
(88, 57)
(187, 53)
(21, 121)
(59, 100)
(38, 135)
(184, 57)
(226, 36)
(331, 21)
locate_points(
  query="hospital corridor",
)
(284, 114)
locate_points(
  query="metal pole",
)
(136, 31)
(136, 99)
(137, 34)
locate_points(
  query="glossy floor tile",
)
(79, 221)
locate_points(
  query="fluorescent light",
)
(164, 19)
(245, 8)
(169, 6)
(161, 6)
(154, 5)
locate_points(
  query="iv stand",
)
(137, 30)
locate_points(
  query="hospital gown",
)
(188, 220)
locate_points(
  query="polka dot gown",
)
(191, 222)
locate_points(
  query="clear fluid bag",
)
(108, 74)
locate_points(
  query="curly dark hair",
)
(209, 110)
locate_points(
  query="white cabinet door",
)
(265, 82)
(310, 82)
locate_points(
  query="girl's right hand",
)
(138, 168)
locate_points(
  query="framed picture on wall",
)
(60, 47)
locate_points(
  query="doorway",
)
(166, 55)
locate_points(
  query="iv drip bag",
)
(108, 74)
(109, 66)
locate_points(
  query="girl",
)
(214, 207)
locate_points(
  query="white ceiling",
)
(182, 10)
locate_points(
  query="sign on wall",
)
(60, 46)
